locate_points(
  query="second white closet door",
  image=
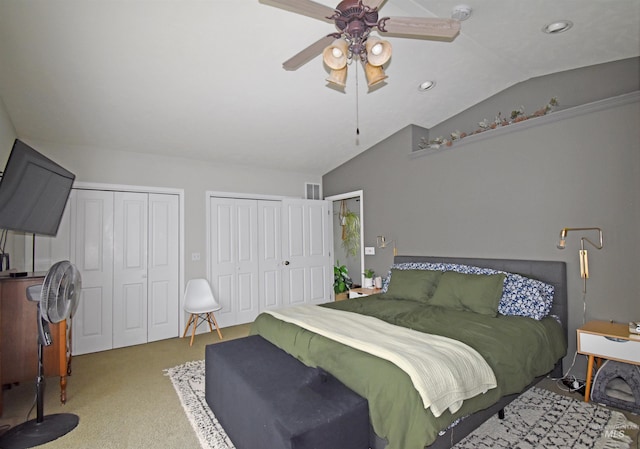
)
(164, 297)
(234, 259)
(130, 239)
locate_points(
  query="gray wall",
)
(7, 132)
(509, 195)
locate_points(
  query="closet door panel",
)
(92, 324)
(234, 259)
(130, 269)
(318, 256)
(270, 254)
(223, 286)
(246, 231)
(222, 252)
(164, 296)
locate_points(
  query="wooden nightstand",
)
(604, 340)
(360, 292)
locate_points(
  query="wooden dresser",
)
(19, 337)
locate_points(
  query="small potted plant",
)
(341, 281)
(368, 278)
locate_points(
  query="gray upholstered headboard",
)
(551, 272)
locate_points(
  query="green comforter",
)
(518, 349)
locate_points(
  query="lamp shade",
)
(335, 55)
(378, 51)
(338, 77)
(374, 74)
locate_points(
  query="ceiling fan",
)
(354, 21)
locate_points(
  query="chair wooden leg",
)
(216, 323)
(209, 314)
(193, 333)
(188, 324)
(193, 321)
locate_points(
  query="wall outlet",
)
(195, 256)
(370, 250)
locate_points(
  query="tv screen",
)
(33, 192)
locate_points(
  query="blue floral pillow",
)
(521, 296)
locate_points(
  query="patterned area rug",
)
(538, 419)
(188, 380)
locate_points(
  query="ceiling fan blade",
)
(373, 4)
(307, 54)
(425, 27)
(305, 7)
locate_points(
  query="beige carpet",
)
(125, 400)
(122, 396)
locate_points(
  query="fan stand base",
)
(32, 433)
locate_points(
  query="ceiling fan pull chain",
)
(357, 107)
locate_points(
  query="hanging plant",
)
(350, 223)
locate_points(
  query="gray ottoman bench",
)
(265, 398)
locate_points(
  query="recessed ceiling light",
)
(559, 26)
(427, 85)
(461, 12)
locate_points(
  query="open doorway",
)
(348, 207)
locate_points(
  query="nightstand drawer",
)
(601, 346)
(360, 292)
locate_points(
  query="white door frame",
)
(346, 196)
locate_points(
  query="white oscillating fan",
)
(57, 299)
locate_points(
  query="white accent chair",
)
(200, 303)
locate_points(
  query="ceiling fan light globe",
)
(378, 51)
(335, 55)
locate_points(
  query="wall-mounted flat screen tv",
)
(33, 192)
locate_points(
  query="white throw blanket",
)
(444, 371)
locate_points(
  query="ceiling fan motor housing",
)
(355, 19)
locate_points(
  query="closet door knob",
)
(286, 262)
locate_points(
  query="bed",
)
(519, 349)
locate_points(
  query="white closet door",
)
(270, 254)
(308, 270)
(92, 324)
(164, 295)
(130, 269)
(234, 259)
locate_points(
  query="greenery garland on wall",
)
(516, 116)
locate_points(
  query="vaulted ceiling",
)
(203, 78)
